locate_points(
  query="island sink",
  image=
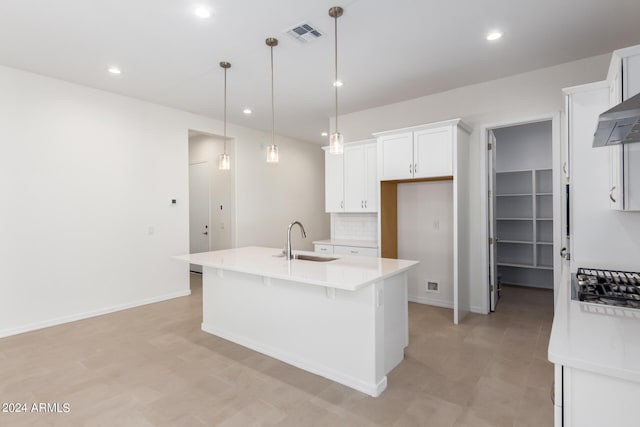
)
(313, 258)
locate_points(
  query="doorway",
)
(211, 219)
(523, 208)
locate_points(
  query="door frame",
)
(231, 149)
(556, 156)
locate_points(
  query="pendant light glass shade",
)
(272, 154)
(224, 162)
(336, 143)
(336, 140)
(272, 150)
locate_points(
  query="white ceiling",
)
(390, 50)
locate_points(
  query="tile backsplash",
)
(354, 226)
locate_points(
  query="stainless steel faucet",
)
(289, 254)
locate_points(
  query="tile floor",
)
(153, 366)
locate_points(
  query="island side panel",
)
(333, 333)
(396, 320)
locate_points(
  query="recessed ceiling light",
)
(247, 111)
(337, 83)
(115, 70)
(202, 12)
(494, 35)
(324, 134)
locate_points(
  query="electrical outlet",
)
(432, 287)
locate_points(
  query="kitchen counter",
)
(357, 243)
(596, 352)
(346, 319)
(596, 338)
(346, 272)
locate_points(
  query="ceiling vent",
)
(304, 32)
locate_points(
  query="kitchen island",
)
(344, 319)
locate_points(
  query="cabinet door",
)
(334, 182)
(354, 178)
(616, 192)
(631, 83)
(433, 153)
(370, 153)
(325, 249)
(396, 156)
(355, 251)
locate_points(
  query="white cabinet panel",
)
(433, 153)
(371, 177)
(354, 178)
(324, 249)
(334, 182)
(360, 179)
(396, 156)
(355, 251)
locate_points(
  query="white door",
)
(494, 293)
(199, 181)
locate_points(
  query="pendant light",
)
(272, 150)
(224, 163)
(336, 140)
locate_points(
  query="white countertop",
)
(356, 243)
(597, 338)
(347, 272)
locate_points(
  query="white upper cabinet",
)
(360, 180)
(351, 178)
(334, 182)
(418, 152)
(396, 155)
(433, 152)
(624, 168)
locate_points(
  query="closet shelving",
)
(524, 225)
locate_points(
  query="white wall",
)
(425, 234)
(524, 147)
(207, 148)
(501, 101)
(85, 173)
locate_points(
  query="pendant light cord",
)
(335, 82)
(225, 111)
(273, 110)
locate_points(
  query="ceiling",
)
(389, 50)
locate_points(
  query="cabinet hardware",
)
(410, 170)
(563, 253)
(611, 194)
(342, 204)
(564, 168)
(365, 204)
(415, 168)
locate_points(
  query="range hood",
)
(619, 125)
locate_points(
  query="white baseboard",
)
(372, 389)
(445, 304)
(429, 301)
(477, 309)
(79, 316)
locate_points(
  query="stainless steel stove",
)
(618, 288)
